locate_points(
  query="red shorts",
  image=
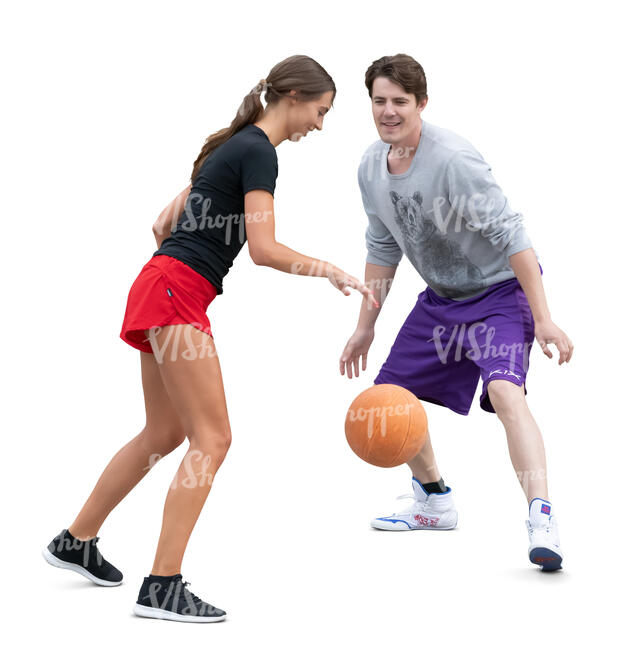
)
(166, 292)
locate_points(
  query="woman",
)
(229, 201)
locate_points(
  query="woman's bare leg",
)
(192, 377)
(162, 434)
(423, 465)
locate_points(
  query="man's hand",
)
(357, 346)
(547, 332)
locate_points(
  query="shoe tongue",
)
(539, 511)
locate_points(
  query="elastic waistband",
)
(190, 278)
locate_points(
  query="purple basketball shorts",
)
(445, 345)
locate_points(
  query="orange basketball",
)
(386, 425)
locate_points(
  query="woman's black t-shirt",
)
(211, 231)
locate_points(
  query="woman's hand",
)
(357, 346)
(342, 281)
(159, 239)
(162, 228)
(547, 332)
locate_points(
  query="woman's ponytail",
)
(249, 111)
(298, 72)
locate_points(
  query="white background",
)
(106, 106)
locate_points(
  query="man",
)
(428, 193)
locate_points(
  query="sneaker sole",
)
(403, 526)
(547, 559)
(164, 614)
(61, 564)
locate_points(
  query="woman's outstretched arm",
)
(266, 251)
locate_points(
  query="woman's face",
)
(307, 116)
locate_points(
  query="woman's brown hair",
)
(402, 70)
(300, 73)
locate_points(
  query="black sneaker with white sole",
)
(84, 557)
(167, 597)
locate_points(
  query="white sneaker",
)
(543, 531)
(427, 511)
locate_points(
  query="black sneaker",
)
(67, 552)
(168, 598)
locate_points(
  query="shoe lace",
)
(411, 495)
(543, 527)
(549, 527)
(186, 591)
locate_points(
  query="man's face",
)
(396, 113)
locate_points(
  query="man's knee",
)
(506, 397)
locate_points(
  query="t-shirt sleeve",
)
(382, 248)
(477, 198)
(259, 168)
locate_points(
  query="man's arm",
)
(526, 269)
(162, 228)
(383, 256)
(382, 259)
(475, 195)
(379, 279)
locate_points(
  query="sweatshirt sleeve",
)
(382, 248)
(476, 197)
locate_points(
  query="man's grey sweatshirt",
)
(446, 212)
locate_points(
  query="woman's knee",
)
(212, 443)
(165, 441)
